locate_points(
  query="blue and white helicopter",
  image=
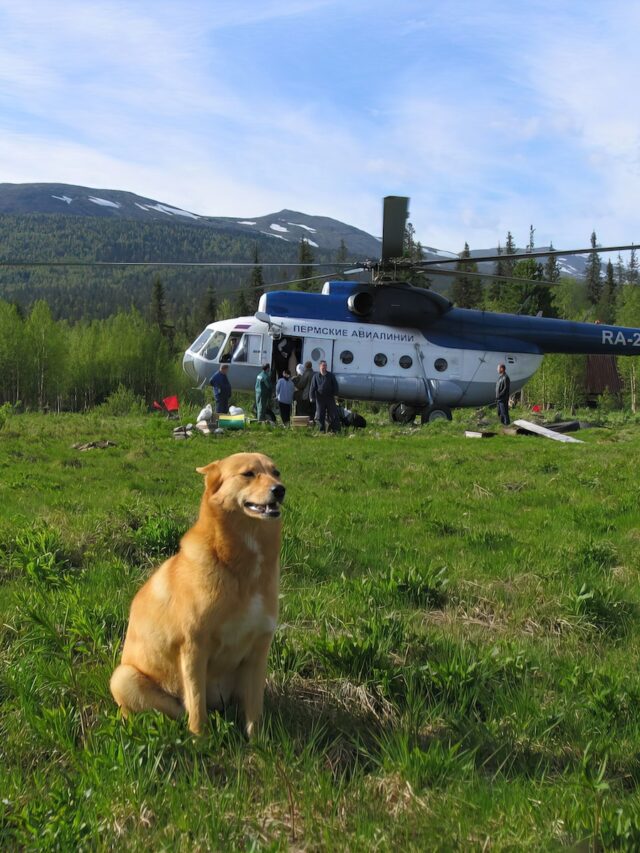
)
(394, 343)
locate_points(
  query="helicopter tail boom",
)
(522, 333)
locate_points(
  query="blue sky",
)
(491, 116)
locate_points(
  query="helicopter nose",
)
(278, 492)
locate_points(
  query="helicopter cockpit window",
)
(380, 359)
(440, 364)
(213, 347)
(200, 341)
(346, 356)
(405, 361)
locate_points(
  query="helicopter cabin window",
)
(230, 348)
(379, 359)
(440, 364)
(405, 361)
(248, 350)
(346, 356)
(213, 346)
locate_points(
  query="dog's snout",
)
(278, 492)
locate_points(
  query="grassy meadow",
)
(457, 664)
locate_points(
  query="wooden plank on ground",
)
(537, 429)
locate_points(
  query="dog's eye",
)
(248, 474)
(276, 473)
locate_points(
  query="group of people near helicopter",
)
(312, 394)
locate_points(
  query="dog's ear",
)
(212, 476)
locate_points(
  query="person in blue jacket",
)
(285, 390)
(221, 389)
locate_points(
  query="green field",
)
(456, 665)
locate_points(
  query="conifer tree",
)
(495, 290)
(210, 305)
(409, 243)
(467, 290)
(632, 269)
(343, 254)
(305, 259)
(593, 273)
(158, 304)
(551, 270)
(524, 296)
(499, 289)
(241, 306)
(256, 283)
(607, 304)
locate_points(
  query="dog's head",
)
(245, 482)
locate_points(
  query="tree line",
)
(75, 362)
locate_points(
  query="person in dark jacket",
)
(303, 383)
(322, 394)
(264, 392)
(221, 389)
(502, 394)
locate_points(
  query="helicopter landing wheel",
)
(435, 413)
(402, 413)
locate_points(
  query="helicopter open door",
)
(316, 350)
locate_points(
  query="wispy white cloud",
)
(490, 118)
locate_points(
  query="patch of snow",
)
(141, 206)
(310, 243)
(278, 228)
(63, 198)
(277, 236)
(171, 211)
(300, 225)
(245, 222)
(104, 202)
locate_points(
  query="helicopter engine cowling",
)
(398, 304)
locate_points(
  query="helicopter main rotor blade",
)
(523, 255)
(163, 264)
(491, 277)
(394, 219)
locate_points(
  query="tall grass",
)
(456, 666)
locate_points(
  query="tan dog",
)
(201, 627)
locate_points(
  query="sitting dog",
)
(201, 627)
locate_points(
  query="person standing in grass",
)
(322, 393)
(264, 390)
(502, 394)
(221, 389)
(285, 390)
(303, 382)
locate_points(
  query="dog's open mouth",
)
(270, 510)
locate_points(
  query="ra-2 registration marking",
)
(610, 337)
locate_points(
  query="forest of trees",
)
(91, 292)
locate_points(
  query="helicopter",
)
(392, 342)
